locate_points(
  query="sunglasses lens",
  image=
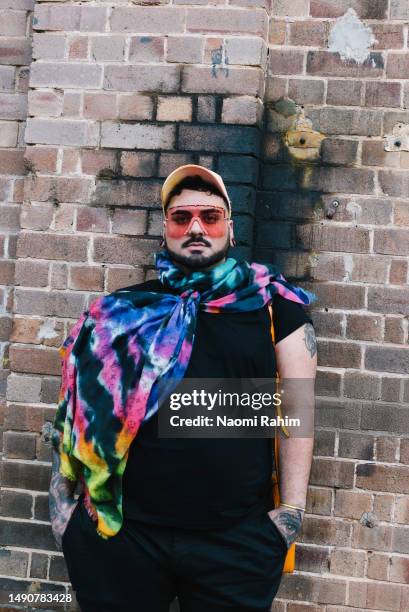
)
(211, 220)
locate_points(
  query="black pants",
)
(144, 567)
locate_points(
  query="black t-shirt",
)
(210, 482)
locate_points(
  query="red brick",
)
(329, 238)
(374, 154)
(313, 589)
(277, 32)
(137, 164)
(391, 241)
(15, 51)
(388, 299)
(172, 108)
(336, 295)
(377, 538)
(100, 106)
(16, 503)
(19, 445)
(108, 48)
(286, 61)
(311, 559)
(362, 386)
(399, 9)
(390, 389)
(309, 33)
(325, 63)
(346, 121)
(123, 277)
(52, 246)
(319, 500)
(99, 162)
(402, 507)
(397, 66)
(137, 135)
(333, 473)
(347, 563)
(170, 161)
(225, 20)
(13, 106)
(401, 214)
(147, 19)
(41, 159)
(78, 48)
(387, 448)
(366, 9)
(388, 36)
(339, 151)
(13, 23)
(352, 504)
(328, 324)
(364, 327)
(378, 565)
(86, 278)
(124, 250)
(399, 569)
(306, 91)
(35, 360)
(92, 220)
(325, 530)
(394, 330)
(127, 193)
(382, 94)
(147, 49)
(339, 354)
(398, 272)
(32, 273)
(129, 222)
(186, 49)
(241, 80)
(290, 8)
(59, 189)
(384, 596)
(369, 269)
(137, 78)
(387, 359)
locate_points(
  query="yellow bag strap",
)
(283, 427)
(289, 563)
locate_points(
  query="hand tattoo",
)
(309, 339)
(61, 502)
(288, 521)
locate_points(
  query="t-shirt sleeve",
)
(287, 317)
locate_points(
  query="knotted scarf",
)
(118, 352)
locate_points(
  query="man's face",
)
(197, 236)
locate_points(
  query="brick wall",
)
(15, 58)
(119, 95)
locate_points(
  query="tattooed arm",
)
(296, 359)
(60, 499)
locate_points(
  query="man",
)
(181, 517)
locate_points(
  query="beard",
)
(198, 261)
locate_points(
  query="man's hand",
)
(288, 521)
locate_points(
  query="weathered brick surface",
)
(118, 97)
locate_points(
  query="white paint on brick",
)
(47, 330)
(351, 38)
(349, 267)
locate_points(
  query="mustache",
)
(196, 240)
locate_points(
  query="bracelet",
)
(290, 506)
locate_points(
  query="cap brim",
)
(182, 172)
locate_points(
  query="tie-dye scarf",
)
(119, 351)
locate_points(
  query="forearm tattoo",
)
(309, 339)
(289, 522)
(60, 499)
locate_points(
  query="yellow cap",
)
(182, 172)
